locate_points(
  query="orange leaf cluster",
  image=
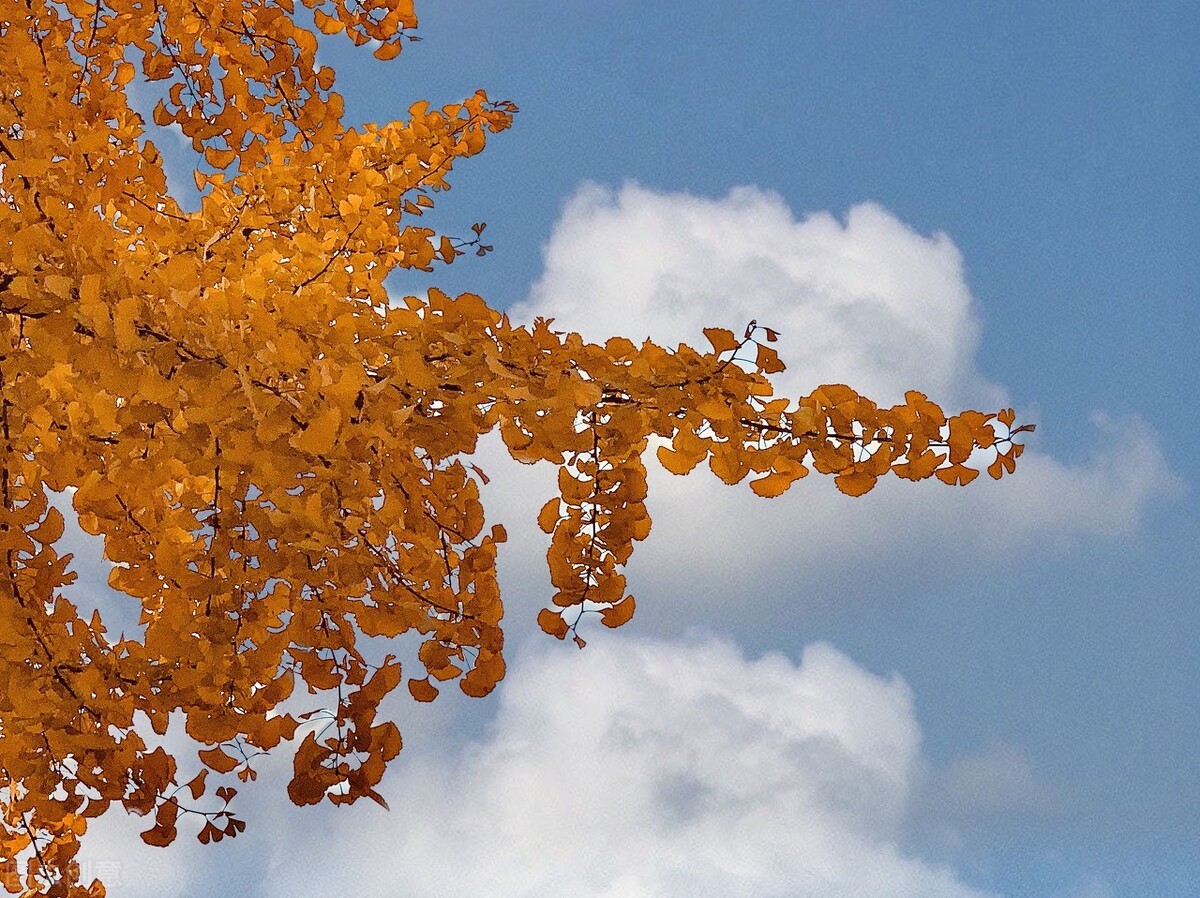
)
(272, 450)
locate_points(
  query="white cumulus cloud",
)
(866, 301)
(640, 768)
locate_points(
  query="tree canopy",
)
(276, 451)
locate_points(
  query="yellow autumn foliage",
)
(273, 450)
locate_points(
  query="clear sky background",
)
(925, 691)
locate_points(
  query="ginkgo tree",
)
(276, 451)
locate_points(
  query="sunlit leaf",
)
(552, 622)
(855, 482)
(618, 614)
(218, 760)
(422, 690)
(722, 340)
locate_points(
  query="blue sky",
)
(1015, 188)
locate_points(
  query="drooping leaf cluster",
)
(276, 454)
